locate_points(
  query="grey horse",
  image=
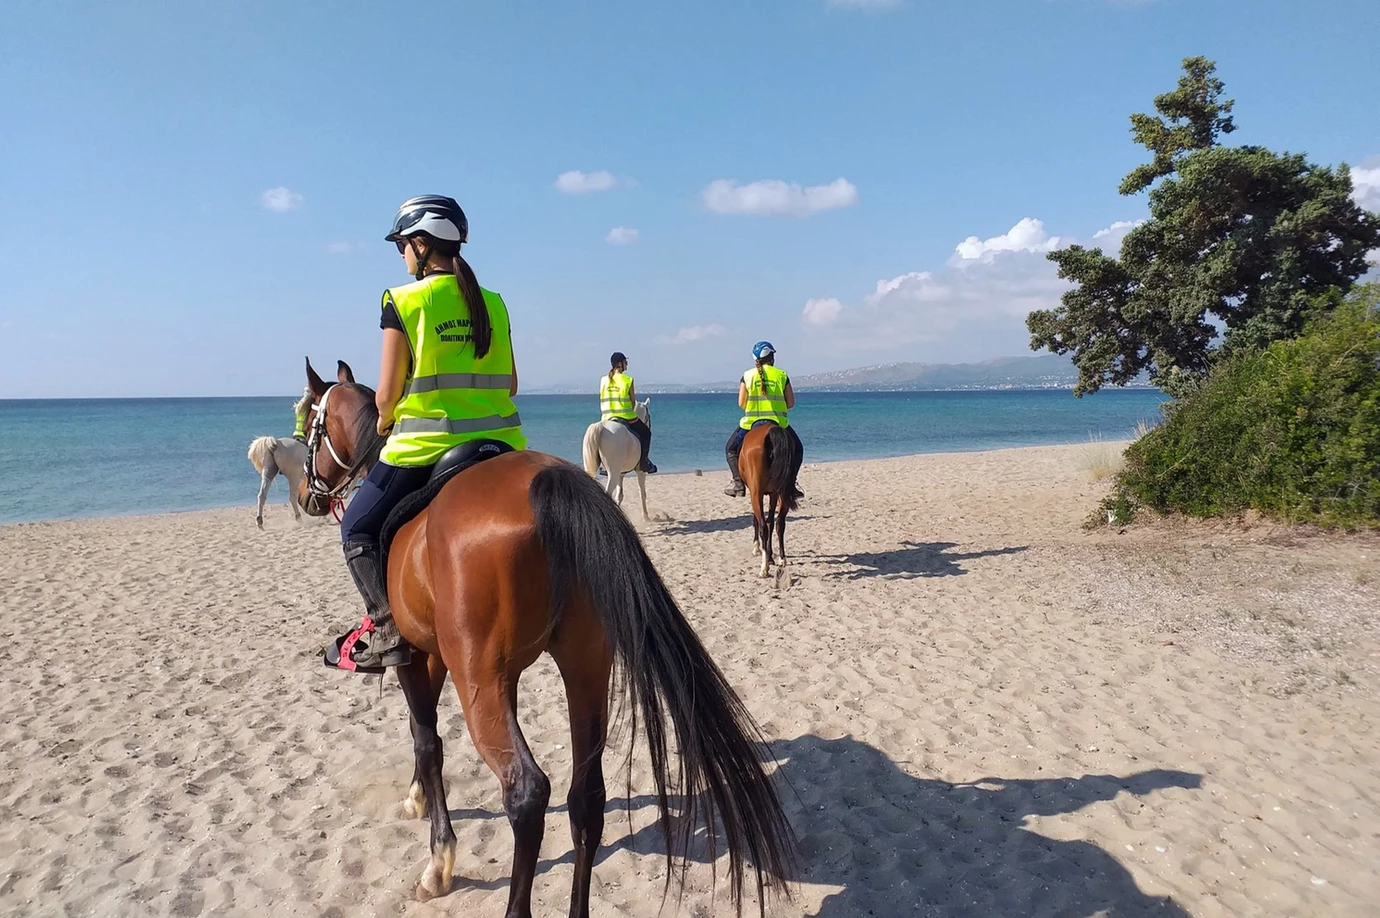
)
(271, 455)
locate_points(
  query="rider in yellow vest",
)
(447, 378)
(765, 395)
(618, 402)
(300, 411)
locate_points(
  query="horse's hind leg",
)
(421, 681)
(414, 804)
(756, 522)
(294, 479)
(584, 659)
(265, 480)
(490, 704)
(766, 526)
(781, 535)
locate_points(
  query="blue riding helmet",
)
(762, 349)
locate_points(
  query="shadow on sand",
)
(897, 845)
(728, 524)
(914, 559)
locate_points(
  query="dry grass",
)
(1101, 459)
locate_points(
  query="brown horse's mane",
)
(366, 426)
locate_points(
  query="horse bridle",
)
(318, 437)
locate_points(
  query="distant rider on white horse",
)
(618, 402)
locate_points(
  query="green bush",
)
(1292, 431)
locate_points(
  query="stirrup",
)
(340, 655)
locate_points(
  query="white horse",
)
(618, 449)
(271, 455)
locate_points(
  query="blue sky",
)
(193, 196)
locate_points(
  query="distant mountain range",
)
(1043, 371)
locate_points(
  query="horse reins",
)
(315, 440)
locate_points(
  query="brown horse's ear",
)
(342, 372)
(318, 385)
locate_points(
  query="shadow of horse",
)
(915, 559)
(894, 844)
(726, 524)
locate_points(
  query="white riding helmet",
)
(436, 215)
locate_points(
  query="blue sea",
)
(64, 458)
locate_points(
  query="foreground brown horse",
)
(525, 553)
(767, 463)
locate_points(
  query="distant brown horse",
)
(767, 463)
(525, 553)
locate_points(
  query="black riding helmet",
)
(436, 215)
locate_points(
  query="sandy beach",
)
(981, 709)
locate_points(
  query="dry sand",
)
(983, 710)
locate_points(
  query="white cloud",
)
(577, 182)
(345, 248)
(1028, 235)
(1109, 239)
(280, 200)
(1365, 184)
(822, 311)
(693, 333)
(622, 235)
(775, 198)
(973, 308)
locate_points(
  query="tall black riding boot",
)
(731, 450)
(386, 646)
(646, 463)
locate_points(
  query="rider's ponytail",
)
(611, 372)
(481, 329)
(761, 373)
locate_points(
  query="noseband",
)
(318, 437)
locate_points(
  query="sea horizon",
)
(121, 456)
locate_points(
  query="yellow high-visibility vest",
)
(451, 396)
(765, 402)
(615, 397)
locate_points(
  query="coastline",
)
(278, 495)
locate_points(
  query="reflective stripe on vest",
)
(456, 426)
(460, 381)
(452, 396)
(615, 397)
(767, 404)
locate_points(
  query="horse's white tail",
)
(260, 451)
(591, 448)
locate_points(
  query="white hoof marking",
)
(414, 806)
(436, 878)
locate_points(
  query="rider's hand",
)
(384, 426)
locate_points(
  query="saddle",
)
(452, 462)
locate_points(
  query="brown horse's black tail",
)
(783, 458)
(664, 670)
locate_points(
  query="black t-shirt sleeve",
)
(390, 317)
